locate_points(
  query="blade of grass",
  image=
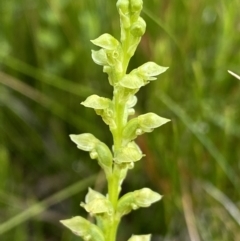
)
(189, 214)
(232, 209)
(161, 25)
(41, 75)
(233, 74)
(43, 205)
(206, 142)
(42, 99)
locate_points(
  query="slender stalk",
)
(114, 56)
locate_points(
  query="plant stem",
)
(114, 179)
(120, 121)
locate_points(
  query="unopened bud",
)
(136, 5)
(129, 131)
(138, 28)
(123, 5)
(104, 155)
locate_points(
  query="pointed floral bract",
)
(85, 142)
(96, 102)
(83, 228)
(106, 41)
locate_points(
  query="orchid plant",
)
(114, 56)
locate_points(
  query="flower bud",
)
(126, 204)
(136, 5)
(138, 28)
(104, 155)
(129, 131)
(83, 228)
(123, 5)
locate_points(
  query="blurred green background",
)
(194, 161)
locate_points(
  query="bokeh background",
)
(194, 161)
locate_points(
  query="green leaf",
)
(83, 228)
(146, 237)
(96, 102)
(85, 142)
(106, 41)
(149, 121)
(100, 57)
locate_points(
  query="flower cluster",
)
(114, 56)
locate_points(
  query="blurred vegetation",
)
(46, 71)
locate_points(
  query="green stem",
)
(121, 121)
(113, 188)
(113, 191)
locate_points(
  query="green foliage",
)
(46, 70)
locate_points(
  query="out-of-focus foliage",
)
(46, 71)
